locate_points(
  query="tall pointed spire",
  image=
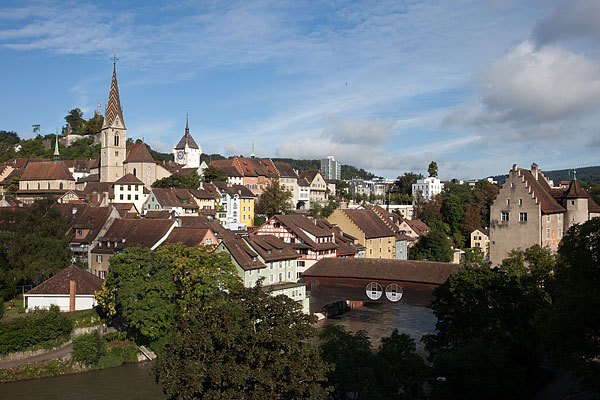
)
(252, 155)
(113, 107)
(56, 153)
(187, 125)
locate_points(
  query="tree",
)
(434, 246)
(75, 119)
(573, 321)
(402, 367)
(404, 183)
(9, 137)
(94, 125)
(433, 169)
(214, 174)
(275, 199)
(244, 344)
(140, 289)
(453, 212)
(178, 181)
(355, 365)
(34, 243)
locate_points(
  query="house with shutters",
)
(269, 258)
(480, 238)
(311, 241)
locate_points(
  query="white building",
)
(330, 168)
(130, 189)
(427, 188)
(187, 151)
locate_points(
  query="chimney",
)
(535, 171)
(72, 293)
(514, 168)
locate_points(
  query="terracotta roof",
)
(301, 226)
(372, 268)
(46, 170)
(113, 108)
(136, 232)
(175, 198)
(138, 153)
(368, 222)
(89, 178)
(285, 170)
(60, 283)
(309, 175)
(100, 187)
(92, 218)
(485, 231)
(542, 192)
(204, 194)
(160, 214)
(242, 253)
(272, 248)
(189, 237)
(129, 179)
(575, 191)
(247, 166)
(418, 226)
(302, 181)
(186, 140)
(344, 241)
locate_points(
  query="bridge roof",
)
(380, 269)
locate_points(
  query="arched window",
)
(60, 186)
(148, 177)
(38, 186)
(116, 140)
(134, 172)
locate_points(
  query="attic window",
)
(268, 251)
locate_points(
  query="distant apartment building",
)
(427, 188)
(330, 168)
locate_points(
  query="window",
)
(270, 266)
(520, 202)
(250, 273)
(547, 233)
(559, 216)
(128, 197)
(572, 202)
(512, 185)
(116, 140)
(523, 217)
(250, 283)
(289, 275)
(103, 274)
(136, 197)
(121, 196)
(559, 233)
(508, 202)
(504, 216)
(271, 278)
(98, 258)
(134, 172)
(547, 218)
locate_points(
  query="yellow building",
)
(369, 229)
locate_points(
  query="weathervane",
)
(114, 58)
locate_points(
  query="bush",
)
(111, 336)
(110, 360)
(88, 348)
(126, 351)
(37, 327)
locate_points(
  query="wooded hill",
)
(590, 175)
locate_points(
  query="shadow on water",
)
(380, 319)
(130, 381)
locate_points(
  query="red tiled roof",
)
(542, 192)
(174, 198)
(285, 170)
(368, 222)
(372, 268)
(189, 237)
(137, 232)
(138, 153)
(309, 175)
(113, 108)
(129, 179)
(418, 226)
(46, 170)
(272, 248)
(60, 283)
(232, 190)
(242, 253)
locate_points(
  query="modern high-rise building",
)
(331, 169)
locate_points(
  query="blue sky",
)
(383, 85)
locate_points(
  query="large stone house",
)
(529, 211)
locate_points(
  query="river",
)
(134, 381)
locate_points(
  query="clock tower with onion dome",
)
(187, 152)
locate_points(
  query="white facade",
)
(428, 188)
(130, 193)
(330, 168)
(44, 301)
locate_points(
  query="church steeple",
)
(56, 153)
(113, 107)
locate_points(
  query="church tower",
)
(113, 135)
(187, 152)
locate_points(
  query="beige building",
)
(371, 232)
(41, 178)
(481, 238)
(318, 186)
(529, 211)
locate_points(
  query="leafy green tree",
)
(356, 367)
(315, 210)
(9, 137)
(244, 344)
(433, 169)
(214, 174)
(275, 199)
(88, 348)
(453, 212)
(401, 366)
(178, 181)
(477, 370)
(12, 185)
(94, 125)
(140, 289)
(82, 149)
(434, 246)
(573, 323)
(404, 183)
(473, 255)
(34, 242)
(75, 119)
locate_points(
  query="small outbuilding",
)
(72, 289)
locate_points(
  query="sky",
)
(383, 85)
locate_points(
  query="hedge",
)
(88, 348)
(39, 326)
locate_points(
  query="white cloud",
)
(534, 92)
(358, 131)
